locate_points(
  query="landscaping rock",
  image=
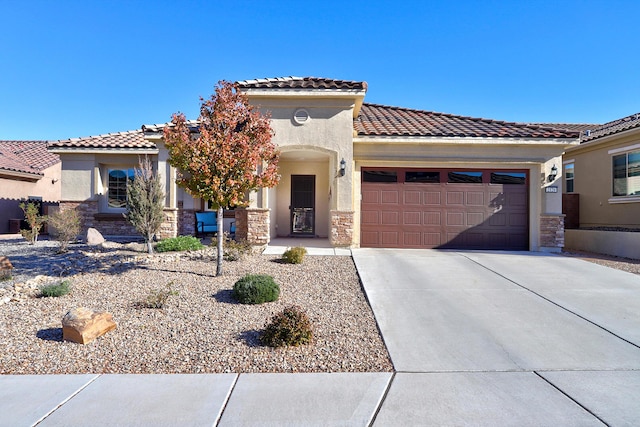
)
(5, 267)
(94, 237)
(82, 325)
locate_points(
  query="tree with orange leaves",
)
(226, 154)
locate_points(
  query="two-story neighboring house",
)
(361, 175)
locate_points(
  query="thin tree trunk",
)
(220, 220)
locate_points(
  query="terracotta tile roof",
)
(159, 127)
(26, 156)
(133, 139)
(577, 127)
(292, 82)
(382, 120)
(616, 126)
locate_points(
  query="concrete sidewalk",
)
(476, 338)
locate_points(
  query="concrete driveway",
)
(508, 338)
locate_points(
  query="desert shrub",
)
(157, 298)
(66, 225)
(179, 244)
(294, 255)
(233, 250)
(256, 289)
(290, 327)
(34, 219)
(55, 290)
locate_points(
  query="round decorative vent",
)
(301, 116)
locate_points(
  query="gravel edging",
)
(202, 329)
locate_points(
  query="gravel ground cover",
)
(624, 264)
(200, 330)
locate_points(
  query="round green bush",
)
(179, 244)
(291, 327)
(294, 255)
(256, 289)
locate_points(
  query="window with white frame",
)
(117, 182)
(626, 174)
(568, 178)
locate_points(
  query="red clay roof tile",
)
(616, 126)
(133, 139)
(26, 156)
(292, 82)
(382, 120)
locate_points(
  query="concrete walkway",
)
(476, 338)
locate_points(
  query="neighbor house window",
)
(568, 177)
(117, 182)
(626, 174)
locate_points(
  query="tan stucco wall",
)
(536, 157)
(281, 226)
(329, 130)
(48, 187)
(594, 182)
(616, 243)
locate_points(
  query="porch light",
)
(553, 173)
(343, 167)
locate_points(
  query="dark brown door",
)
(303, 207)
(458, 209)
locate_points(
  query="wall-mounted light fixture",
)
(343, 167)
(553, 173)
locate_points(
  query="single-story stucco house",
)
(28, 171)
(602, 189)
(361, 175)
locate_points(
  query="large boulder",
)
(82, 325)
(94, 237)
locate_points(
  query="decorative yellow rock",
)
(82, 325)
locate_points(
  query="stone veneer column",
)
(186, 221)
(341, 228)
(169, 227)
(252, 225)
(552, 232)
(86, 210)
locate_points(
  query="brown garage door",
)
(445, 208)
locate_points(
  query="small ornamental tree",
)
(230, 155)
(34, 219)
(145, 202)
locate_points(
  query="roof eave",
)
(34, 176)
(376, 139)
(102, 150)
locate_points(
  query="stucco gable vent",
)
(301, 116)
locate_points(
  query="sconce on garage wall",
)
(343, 167)
(553, 173)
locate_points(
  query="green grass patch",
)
(179, 244)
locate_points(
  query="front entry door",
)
(303, 207)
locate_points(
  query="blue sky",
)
(79, 68)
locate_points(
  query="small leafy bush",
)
(56, 290)
(256, 289)
(34, 219)
(290, 327)
(65, 225)
(294, 255)
(157, 298)
(179, 244)
(233, 250)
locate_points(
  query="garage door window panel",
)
(464, 177)
(508, 178)
(422, 177)
(379, 176)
